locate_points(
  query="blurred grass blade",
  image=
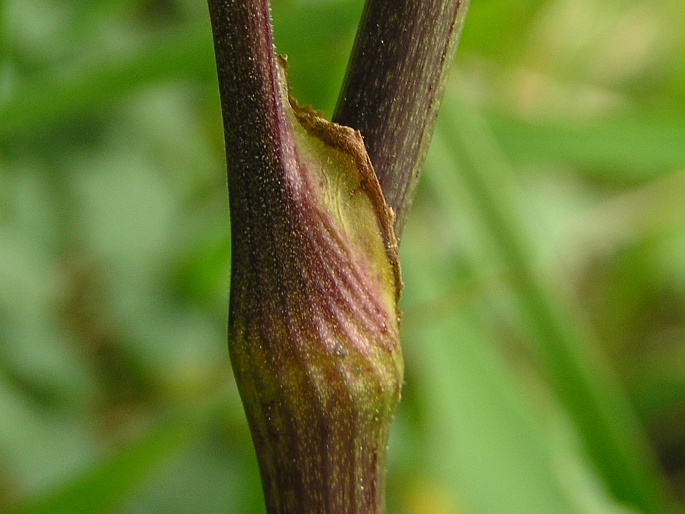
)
(637, 144)
(484, 439)
(101, 488)
(179, 55)
(561, 339)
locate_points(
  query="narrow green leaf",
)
(179, 55)
(635, 146)
(101, 488)
(560, 338)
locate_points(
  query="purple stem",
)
(394, 85)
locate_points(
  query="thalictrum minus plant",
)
(315, 211)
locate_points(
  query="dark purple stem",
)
(313, 319)
(394, 85)
(253, 114)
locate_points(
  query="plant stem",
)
(394, 85)
(248, 86)
(313, 317)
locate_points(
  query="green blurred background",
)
(544, 261)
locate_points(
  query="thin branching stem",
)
(393, 88)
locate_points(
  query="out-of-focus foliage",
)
(551, 211)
